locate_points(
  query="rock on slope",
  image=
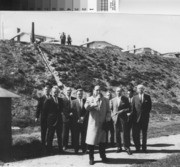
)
(23, 71)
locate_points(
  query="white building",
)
(76, 5)
(69, 5)
(60, 4)
(83, 5)
(113, 5)
(92, 5)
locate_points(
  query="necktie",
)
(55, 99)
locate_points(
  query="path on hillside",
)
(158, 148)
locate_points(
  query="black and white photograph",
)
(89, 83)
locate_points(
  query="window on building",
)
(83, 8)
(104, 5)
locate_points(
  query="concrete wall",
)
(38, 4)
(83, 5)
(69, 5)
(76, 5)
(60, 4)
(5, 128)
(46, 5)
(92, 5)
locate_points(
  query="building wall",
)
(53, 5)
(46, 5)
(92, 5)
(61, 4)
(99, 5)
(38, 4)
(102, 5)
(76, 5)
(113, 5)
(5, 128)
(31, 4)
(83, 5)
(69, 5)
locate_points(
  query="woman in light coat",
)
(99, 113)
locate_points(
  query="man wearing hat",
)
(141, 107)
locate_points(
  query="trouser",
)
(139, 127)
(50, 136)
(79, 129)
(43, 132)
(121, 126)
(111, 129)
(67, 126)
(129, 127)
(101, 151)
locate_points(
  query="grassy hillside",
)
(23, 71)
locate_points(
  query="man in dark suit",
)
(130, 93)
(79, 121)
(110, 123)
(67, 118)
(120, 107)
(53, 109)
(141, 108)
(40, 113)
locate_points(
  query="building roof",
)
(6, 93)
(25, 33)
(140, 49)
(86, 43)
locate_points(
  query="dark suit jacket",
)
(40, 107)
(140, 109)
(124, 105)
(78, 111)
(67, 109)
(53, 111)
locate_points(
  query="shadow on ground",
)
(127, 161)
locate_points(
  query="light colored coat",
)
(97, 116)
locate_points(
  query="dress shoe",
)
(119, 150)
(105, 160)
(91, 162)
(128, 151)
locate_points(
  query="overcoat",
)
(97, 116)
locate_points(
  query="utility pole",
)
(32, 33)
(18, 37)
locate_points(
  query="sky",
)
(160, 30)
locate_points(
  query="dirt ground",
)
(158, 148)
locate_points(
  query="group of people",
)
(63, 39)
(92, 117)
